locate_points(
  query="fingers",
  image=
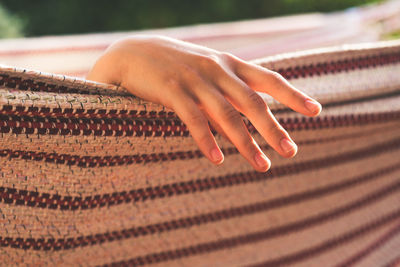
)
(190, 114)
(231, 122)
(272, 83)
(203, 99)
(215, 126)
(248, 102)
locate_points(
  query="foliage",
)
(392, 35)
(10, 26)
(80, 16)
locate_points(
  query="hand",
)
(201, 85)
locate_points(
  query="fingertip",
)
(292, 153)
(319, 110)
(263, 163)
(313, 106)
(265, 169)
(217, 156)
(288, 147)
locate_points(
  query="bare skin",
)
(204, 85)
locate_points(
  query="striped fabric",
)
(93, 176)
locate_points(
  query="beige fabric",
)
(91, 175)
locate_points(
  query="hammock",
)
(91, 175)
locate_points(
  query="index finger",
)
(270, 82)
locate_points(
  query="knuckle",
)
(280, 82)
(276, 78)
(231, 114)
(196, 119)
(296, 95)
(276, 75)
(280, 132)
(172, 83)
(227, 57)
(277, 81)
(211, 61)
(276, 131)
(249, 146)
(256, 101)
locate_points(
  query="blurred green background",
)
(52, 17)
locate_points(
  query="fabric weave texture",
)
(91, 175)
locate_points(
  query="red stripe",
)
(294, 72)
(255, 237)
(332, 243)
(83, 113)
(153, 229)
(31, 84)
(394, 263)
(166, 127)
(332, 67)
(381, 241)
(20, 110)
(55, 201)
(116, 160)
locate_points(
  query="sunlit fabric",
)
(91, 175)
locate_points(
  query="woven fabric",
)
(91, 175)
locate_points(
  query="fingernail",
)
(312, 105)
(216, 155)
(261, 160)
(287, 145)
